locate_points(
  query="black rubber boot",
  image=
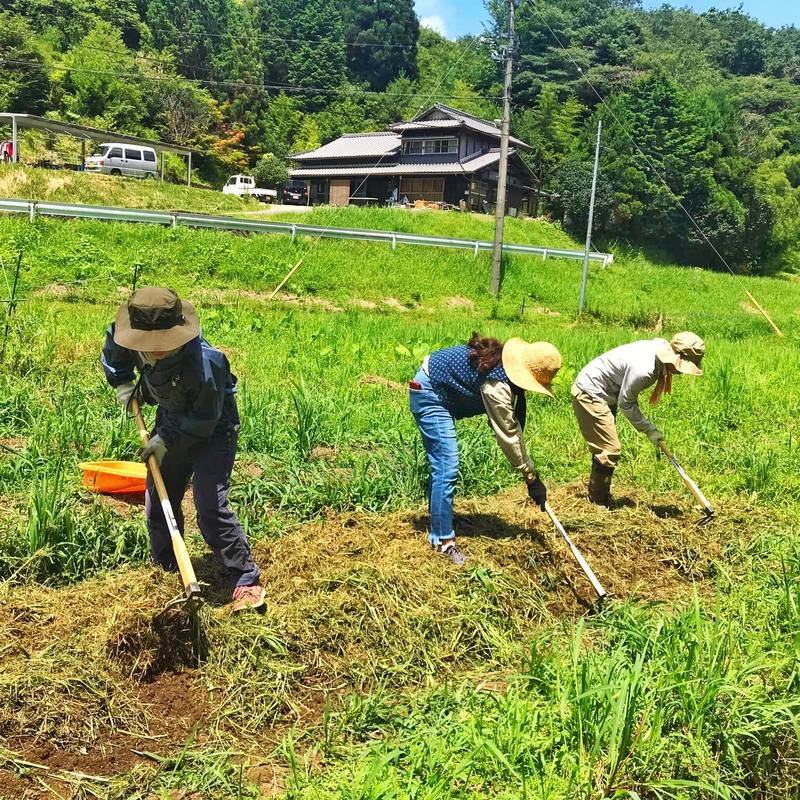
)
(600, 484)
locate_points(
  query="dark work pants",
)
(209, 468)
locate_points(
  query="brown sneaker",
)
(246, 597)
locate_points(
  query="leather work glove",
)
(155, 447)
(655, 436)
(537, 492)
(125, 392)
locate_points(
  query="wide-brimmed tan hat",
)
(155, 319)
(685, 352)
(531, 366)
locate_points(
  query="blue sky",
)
(456, 17)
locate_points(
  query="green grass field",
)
(378, 671)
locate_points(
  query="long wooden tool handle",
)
(190, 585)
(690, 484)
(764, 312)
(584, 564)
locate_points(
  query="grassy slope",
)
(736, 428)
(105, 190)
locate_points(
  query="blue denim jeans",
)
(439, 438)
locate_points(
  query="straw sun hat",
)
(155, 319)
(531, 366)
(685, 352)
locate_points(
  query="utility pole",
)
(585, 275)
(502, 177)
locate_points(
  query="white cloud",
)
(434, 22)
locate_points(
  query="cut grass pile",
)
(379, 672)
(30, 183)
(358, 614)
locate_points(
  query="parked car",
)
(113, 158)
(295, 193)
(245, 186)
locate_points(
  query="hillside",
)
(378, 670)
(106, 190)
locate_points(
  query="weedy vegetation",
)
(378, 671)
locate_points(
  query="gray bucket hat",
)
(154, 318)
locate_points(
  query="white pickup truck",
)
(245, 186)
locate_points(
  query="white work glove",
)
(155, 447)
(125, 393)
(655, 436)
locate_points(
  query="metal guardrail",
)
(35, 208)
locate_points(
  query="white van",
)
(113, 158)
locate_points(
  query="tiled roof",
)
(428, 123)
(455, 118)
(467, 167)
(355, 145)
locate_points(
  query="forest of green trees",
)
(701, 110)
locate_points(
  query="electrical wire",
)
(280, 87)
(445, 76)
(274, 37)
(633, 141)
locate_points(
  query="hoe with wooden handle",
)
(584, 564)
(193, 595)
(708, 511)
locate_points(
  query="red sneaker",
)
(246, 597)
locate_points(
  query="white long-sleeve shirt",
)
(498, 400)
(619, 376)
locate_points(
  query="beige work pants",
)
(598, 426)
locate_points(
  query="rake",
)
(192, 596)
(584, 564)
(708, 511)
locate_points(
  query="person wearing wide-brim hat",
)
(196, 428)
(487, 377)
(614, 381)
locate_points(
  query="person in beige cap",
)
(488, 377)
(614, 381)
(196, 429)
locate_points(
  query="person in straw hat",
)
(614, 381)
(196, 427)
(488, 377)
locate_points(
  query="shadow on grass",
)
(214, 579)
(667, 511)
(487, 526)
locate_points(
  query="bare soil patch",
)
(394, 303)
(459, 302)
(379, 380)
(366, 304)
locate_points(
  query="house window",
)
(430, 189)
(426, 147)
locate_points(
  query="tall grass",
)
(638, 703)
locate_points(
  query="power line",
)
(633, 141)
(427, 100)
(273, 37)
(280, 87)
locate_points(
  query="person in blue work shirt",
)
(488, 377)
(196, 427)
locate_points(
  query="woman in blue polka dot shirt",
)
(488, 377)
